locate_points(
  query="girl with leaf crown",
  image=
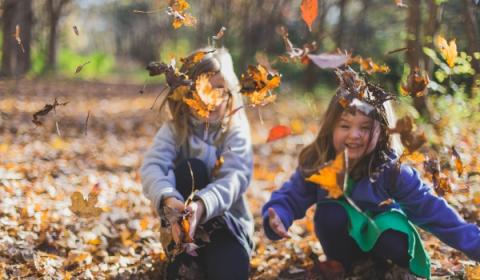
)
(199, 167)
(366, 200)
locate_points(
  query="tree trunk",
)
(54, 11)
(311, 72)
(471, 29)
(342, 4)
(15, 57)
(414, 51)
(431, 29)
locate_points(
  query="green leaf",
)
(432, 54)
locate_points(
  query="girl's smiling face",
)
(357, 133)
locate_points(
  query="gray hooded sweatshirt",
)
(224, 196)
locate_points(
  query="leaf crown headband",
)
(355, 93)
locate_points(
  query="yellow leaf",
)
(472, 272)
(297, 126)
(448, 50)
(330, 175)
(58, 144)
(179, 93)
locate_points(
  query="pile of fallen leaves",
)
(72, 203)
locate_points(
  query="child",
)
(357, 119)
(190, 145)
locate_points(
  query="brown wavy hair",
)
(322, 150)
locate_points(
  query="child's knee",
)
(331, 217)
(392, 245)
(188, 169)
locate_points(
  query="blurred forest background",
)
(92, 55)
(119, 42)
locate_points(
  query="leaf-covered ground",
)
(39, 170)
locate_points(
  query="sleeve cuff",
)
(210, 201)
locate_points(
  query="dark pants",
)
(331, 226)
(223, 257)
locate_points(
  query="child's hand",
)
(174, 203)
(196, 208)
(276, 224)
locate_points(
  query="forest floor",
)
(41, 166)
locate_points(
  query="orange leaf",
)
(185, 224)
(309, 9)
(257, 84)
(331, 176)
(205, 97)
(458, 161)
(278, 132)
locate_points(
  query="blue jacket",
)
(409, 193)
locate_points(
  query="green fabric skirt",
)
(366, 231)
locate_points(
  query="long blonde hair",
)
(322, 150)
(215, 61)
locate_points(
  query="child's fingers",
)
(276, 224)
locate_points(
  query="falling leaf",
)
(309, 9)
(386, 202)
(326, 60)
(441, 183)
(180, 17)
(17, 37)
(257, 84)
(369, 66)
(193, 59)
(293, 53)
(262, 59)
(75, 29)
(219, 34)
(46, 109)
(85, 208)
(80, 67)
(448, 50)
(217, 166)
(410, 137)
(205, 98)
(331, 176)
(458, 161)
(400, 4)
(399, 50)
(278, 132)
(416, 84)
(415, 157)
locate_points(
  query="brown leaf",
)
(416, 84)
(80, 67)
(85, 208)
(295, 54)
(75, 29)
(46, 109)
